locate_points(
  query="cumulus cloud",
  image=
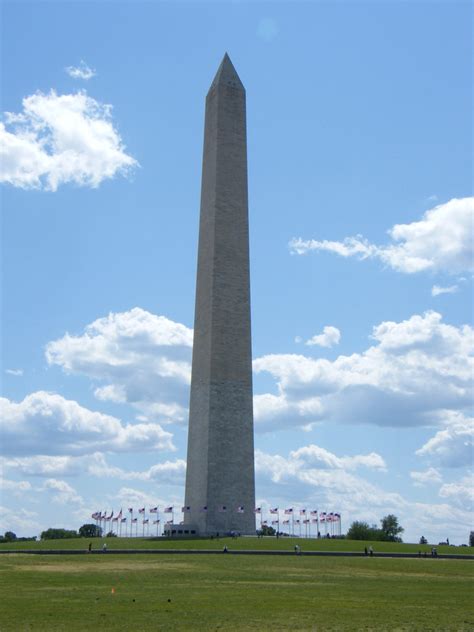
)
(19, 520)
(461, 492)
(60, 139)
(442, 241)
(144, 359)
(319, 457)
(46, 423)
(330, 337)
(290, 481)
(437, 290)
(41, 465)
(431, 475)
(416, 371)
(82, 71)
(16, 487)
(62, 492)
(452, 446)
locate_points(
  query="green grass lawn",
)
(226, 592)
(267, 543)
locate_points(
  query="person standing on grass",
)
(90, 547)
(371, 550)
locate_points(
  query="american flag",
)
(168, 509)
(119, 514)
(240, 509)
(154, 510)
(302, 512)
(258, 510)
(286, 522)
(314, 512)
(204, 508)
(169, 522)
(95, 515)
(115, 519)
(130, 509)
(123, 520)
(314, 521)
(145, 521)
(265, 522)
(306, 521)
(186, 509)
(297, 521)
(288, 512)
(156, 522)
(222, 508)
(142, 510)
(275, 522)
(274, 510)
(322, 516)
(134, 519)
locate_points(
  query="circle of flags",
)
(297, 522)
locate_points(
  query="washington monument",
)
(220, 480)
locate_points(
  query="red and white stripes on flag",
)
(289, 511)
(240, 509)
(258, 510)
(274, 510)
(168, 509)
(142, 510)
(154, 510)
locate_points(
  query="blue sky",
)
(360, 188)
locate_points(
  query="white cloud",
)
(14, 486)
(295, 482)
(461, 492)
(169, 472)
(442, 241)
(62, 492)
(319, 457)
(436, 290)
(20, 521)
(417, 370)
(431, 475)
(16, 372)
(330, 337)
(60, 139)
(452, 446)
(81, 72)
(144, 359)
(46, 423)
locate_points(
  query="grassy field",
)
(225, 592)
(267, 543)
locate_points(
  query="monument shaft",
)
(220, 484)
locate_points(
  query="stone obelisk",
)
(220, 480)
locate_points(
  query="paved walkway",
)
(230, 552)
